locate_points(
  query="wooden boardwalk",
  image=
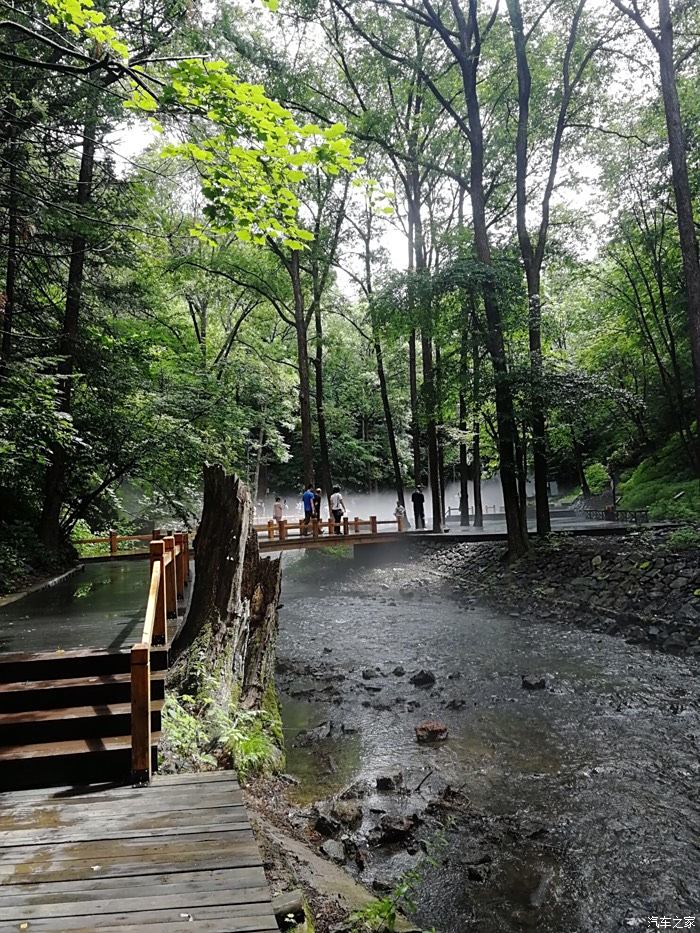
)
(179, 853)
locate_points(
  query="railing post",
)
(314, 527)
(186, 557)
(156, 534)
(357, 525)
(283, 529)
(113, 544)
(160, 626)
(399, 521)
(140, 714)
(346, 524)
(271, 530)
(179, 564)
(170, 577)
(373, 524)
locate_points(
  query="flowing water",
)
(584, 797)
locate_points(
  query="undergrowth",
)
(663, 484)
(206, 734)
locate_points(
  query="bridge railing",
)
(284, 530)
(113, 544)
(170, 569)
(609, 514)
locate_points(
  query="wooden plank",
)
(72, 712)
(108, 848)
(104, 743)
(203, 777)
(242, 918)
(50, 815)
(201, 822)
(87, 794)
(138, 886)
(134, 859)
(124, 903)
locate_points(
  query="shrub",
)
(683, 539)
(597, 478)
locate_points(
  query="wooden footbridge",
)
(323, 533)
(116, 848)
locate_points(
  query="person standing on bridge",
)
(308, 500)
(418, 500)
(337, 508)
(278, 510)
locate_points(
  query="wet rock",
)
(456, 704)
(347, 813)
(355, 791)
(423, 679)
(474, 873)
(675, 643)
(373, 688)
(368, 673)
(394, 829)
(653, 631)
(399, 670)
(635, 634)
(533, 681)
(390, 782)
(335, 851)
(431, 731)
(455, 675)
(325, 823)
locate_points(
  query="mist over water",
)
(383, 502)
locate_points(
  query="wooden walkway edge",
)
(179, 854)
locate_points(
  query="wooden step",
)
(102, 690)
(59, 665)
(52, 725)
(73, 762)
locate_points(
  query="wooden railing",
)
(113, 540)
(170, 568)
(286, 531)
(609, 514)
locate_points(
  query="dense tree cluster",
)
(374, 243)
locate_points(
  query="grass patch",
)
(663, 484)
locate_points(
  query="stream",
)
(582, 798)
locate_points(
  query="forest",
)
(374, 243)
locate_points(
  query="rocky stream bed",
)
(563, 795)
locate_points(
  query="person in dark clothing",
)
(418, 500)
(308, 498)
(318, 499)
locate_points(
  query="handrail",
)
(149, 621)
(169, 575)
(283, 530)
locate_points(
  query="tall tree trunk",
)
(681, 189)
(258, 463)
(476, 432)
(54, 489)
(517, 534)
(412, 363)
(578, 459)
(326, 480)
(389, 421)
(428, 370)
(8, 311)
(307, 449)
(463, 464)
(521, 457)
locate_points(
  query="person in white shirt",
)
(278, 510)
(337, 508)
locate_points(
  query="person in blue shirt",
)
(308, 499)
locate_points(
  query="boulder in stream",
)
(334, 850)
(423, 679)
(347, 812)
(390, 781)
(431, 731)
(533, 681)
